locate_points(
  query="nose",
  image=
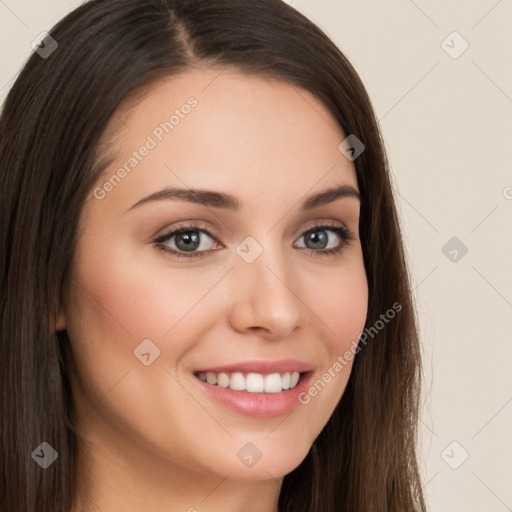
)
(265, 296)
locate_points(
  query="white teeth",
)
(223, 380)
(273, 383)
(253, 382)
(286, 381)
(237, 381)
(211, 378)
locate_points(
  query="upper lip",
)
(264, 367)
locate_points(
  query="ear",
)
(60, 322)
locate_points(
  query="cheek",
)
(128, 295)
(121, 297)
(343, 308)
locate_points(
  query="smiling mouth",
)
(252, 382)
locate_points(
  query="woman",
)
(205, 301)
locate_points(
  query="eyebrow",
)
(226, 201)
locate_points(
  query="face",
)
(240, 295)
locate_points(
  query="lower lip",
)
(258, 405)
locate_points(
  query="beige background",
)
(446, 121)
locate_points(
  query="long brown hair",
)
(50, 156)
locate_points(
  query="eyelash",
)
(344, 233)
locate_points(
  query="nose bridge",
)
(264, 287)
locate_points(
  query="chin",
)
(262, 460)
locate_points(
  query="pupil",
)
(318, 238)
(190, 239)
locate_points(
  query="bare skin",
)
(153, 440)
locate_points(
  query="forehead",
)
(222, 129)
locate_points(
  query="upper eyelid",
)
(167, 233)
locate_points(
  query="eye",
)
(317, 238)
(189, 240)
